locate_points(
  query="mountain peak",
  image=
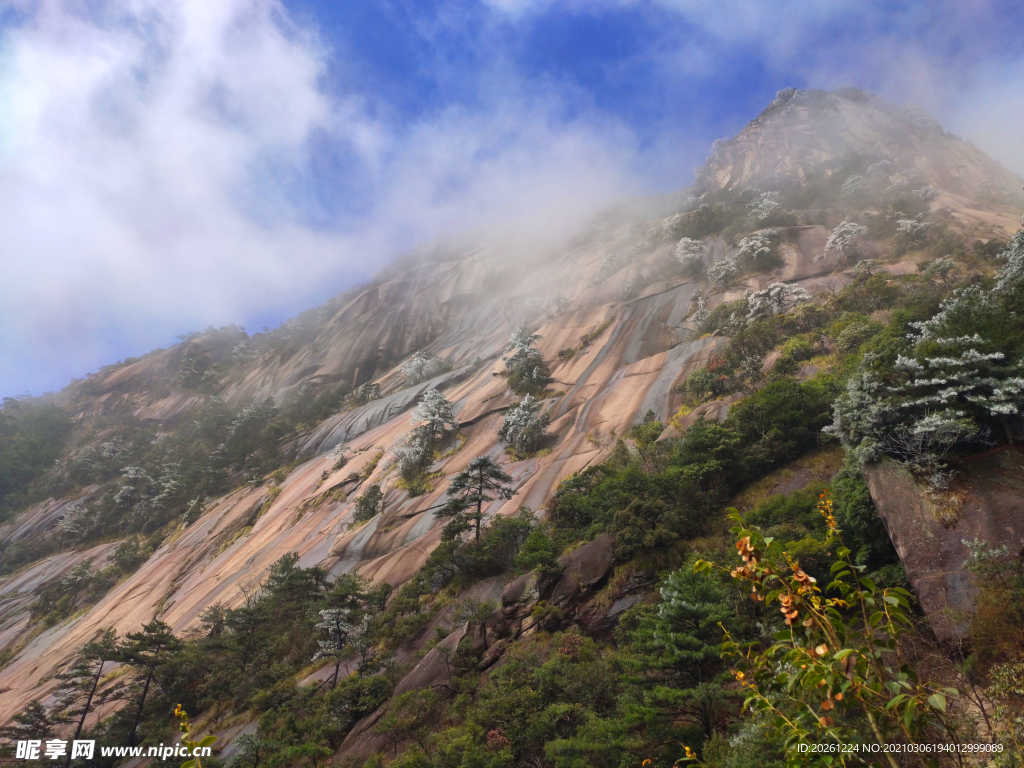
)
(814, 134)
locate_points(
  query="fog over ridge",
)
(168, 165)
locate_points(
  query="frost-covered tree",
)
(1011, 276)
(609, 265)
(757, 250)
(865, 267)
(437, 414)
(424, 365)
(411, 454)
(722, 272)
(911, 230)
(131, 487)
(925, 194)
(956, 381)
(671, 225)
(483, 480)
(527, 371)
(691, 254)
(941, 268)
(362, 643)
(522, 430)
(75, 522)
(776, 299)
(878, 416)
(80, 682)
(699, 318)
(765, 206)
(337, 628)
(854, 186)
(842, 242)
(964, 374)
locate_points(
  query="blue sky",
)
(169, 164)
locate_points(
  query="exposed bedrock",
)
(986, 503)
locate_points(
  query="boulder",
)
(929, 537)
(525, 589)
(435, 666)
(583, 568)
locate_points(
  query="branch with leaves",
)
(834, 673)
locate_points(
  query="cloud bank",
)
(168, 164)
(163, 165)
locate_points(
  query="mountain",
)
(622, 326)
(806, 136)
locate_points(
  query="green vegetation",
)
(671, 490)
(528, 374)
(32, 438)
(242, 658)
(369, 504)
(834, 673)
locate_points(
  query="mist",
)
(161, 167)
(167, 166)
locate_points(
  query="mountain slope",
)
(616, 315)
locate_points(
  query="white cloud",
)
(946, 55)
(154, 163)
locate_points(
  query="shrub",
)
(522, 430)
(648, 430)
(527, 371)
(691, 254)
(369, 504)
(424, 365)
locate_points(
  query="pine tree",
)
(522, 430)
(678, 650)
(722, 272)
(527, 371)
(33, 722)
(691, 254)
(776, 299)
(756, 250)
(842, 242)
(337, 624)
(369, 503)
(482, 480)
(145, 652)
(423, 365)
(438, 413)
(766, 206)
(79, 683)
(537, 552)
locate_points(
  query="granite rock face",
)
(929, 537)
(807, 135)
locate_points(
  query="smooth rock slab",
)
(991, 486)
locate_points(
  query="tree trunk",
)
(85, 709)
(138, 714)
(479, 504)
